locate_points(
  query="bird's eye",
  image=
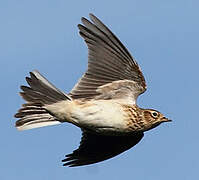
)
(154, 114)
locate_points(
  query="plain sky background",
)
(164, 38)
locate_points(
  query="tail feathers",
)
(41, 90)
(40, 93)
(33, 116)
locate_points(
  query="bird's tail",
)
(40, 93)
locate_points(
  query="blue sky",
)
(43, 35)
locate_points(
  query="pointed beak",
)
(164, 119)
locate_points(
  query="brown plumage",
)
(102, 103)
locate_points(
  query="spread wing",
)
(108, 61)
(95, 148)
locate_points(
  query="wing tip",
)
(91, 15)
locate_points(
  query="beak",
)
(164, 119)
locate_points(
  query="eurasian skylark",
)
(102, 103)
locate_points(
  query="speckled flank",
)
(133, 117)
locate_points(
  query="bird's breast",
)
(101, 116)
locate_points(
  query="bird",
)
(103, 103)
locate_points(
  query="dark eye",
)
(154, 114)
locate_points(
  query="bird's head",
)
(153, 118)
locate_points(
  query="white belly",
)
(102, 116)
